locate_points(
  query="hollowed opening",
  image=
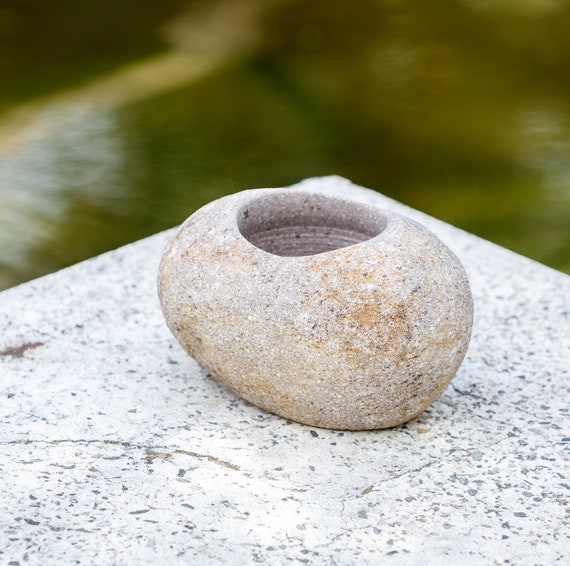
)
(302, 224)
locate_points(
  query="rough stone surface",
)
(115, 449)
(322, 310)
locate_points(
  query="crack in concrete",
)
(84, 441)
(210, 458)
(152, 452)
(372, 488)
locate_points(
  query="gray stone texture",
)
(115, 448)
(320, 309)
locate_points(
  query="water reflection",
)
(543, 144)
(64, 175)
(460, 109)
(69, 153)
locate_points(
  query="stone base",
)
(117, 449)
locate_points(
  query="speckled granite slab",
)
(116, 449)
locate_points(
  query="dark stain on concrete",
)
(19, 351)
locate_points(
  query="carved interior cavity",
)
(301, 224)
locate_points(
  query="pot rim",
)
(351, 223)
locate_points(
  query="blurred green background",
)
(120, 118)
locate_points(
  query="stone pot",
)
(323, 310)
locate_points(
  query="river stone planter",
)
(322, 310)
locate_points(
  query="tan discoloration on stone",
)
(349, 317)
